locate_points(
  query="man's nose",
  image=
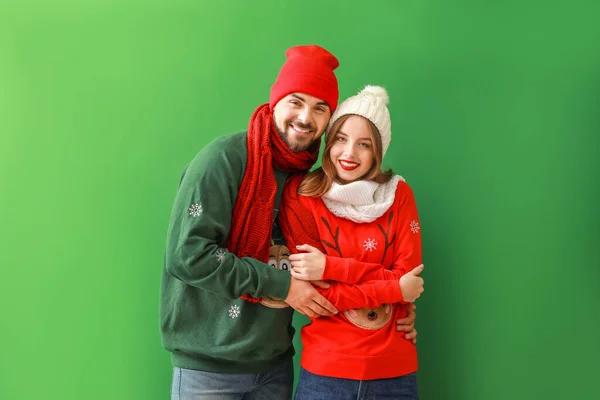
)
(305, 116)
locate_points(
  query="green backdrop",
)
(496, 127)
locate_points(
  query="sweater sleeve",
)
(408, 248)
(369, 294)
(200, 222)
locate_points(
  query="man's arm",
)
(200, 222)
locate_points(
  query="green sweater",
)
(204, 323)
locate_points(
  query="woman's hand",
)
(308, 266)
(411, 284)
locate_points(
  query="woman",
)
(356, 227)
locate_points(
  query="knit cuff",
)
(278, 283)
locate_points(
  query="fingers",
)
(318, 311)
(321, 284)
(298, 260)
(405, 327)
(313, 310)
(417, 270)
(301, 259)
(297, 307)
(302, 247)
(310, 313)
(300, 310)
(411, 335)
(305, 299)
(306, 247)
(408, 320)
(407, 324)
(304, 274)
(324, 304)
(298, 275)
(296, 257)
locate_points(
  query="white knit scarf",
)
(361, 201)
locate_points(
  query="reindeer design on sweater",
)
(279, 257)
(366, 318)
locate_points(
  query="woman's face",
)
(352, 150)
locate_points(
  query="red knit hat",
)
(308, 69)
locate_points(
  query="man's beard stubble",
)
(295, 147)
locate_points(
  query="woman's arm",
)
(402, 225)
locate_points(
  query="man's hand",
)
(305, 299)
(308, 266)
(407, 324)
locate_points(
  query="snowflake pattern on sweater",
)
(370, 244)
(359, 255)
(195, 210)
(414, 226)
(234, 311)
(220, 254)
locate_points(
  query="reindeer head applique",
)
(366, 318)
(370, 318)
(279, 257)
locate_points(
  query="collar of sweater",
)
(361, 201)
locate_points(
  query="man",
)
(224, 343)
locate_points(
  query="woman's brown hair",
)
(319, 181)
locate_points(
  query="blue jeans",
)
(317, 387)
(275, 384)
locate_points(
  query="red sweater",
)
(364, 262)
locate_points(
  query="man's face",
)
(301, 119)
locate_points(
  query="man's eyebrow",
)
(320, 103)
(298, 97)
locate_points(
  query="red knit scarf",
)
(297, 223)
(252, 218)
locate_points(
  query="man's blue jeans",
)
(317, 387)
(275, 384)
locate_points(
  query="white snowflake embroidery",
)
(370, 244)
(414, 226)
(220, 255)
(195, 210)
(234, 311)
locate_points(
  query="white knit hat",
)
(371, 103)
